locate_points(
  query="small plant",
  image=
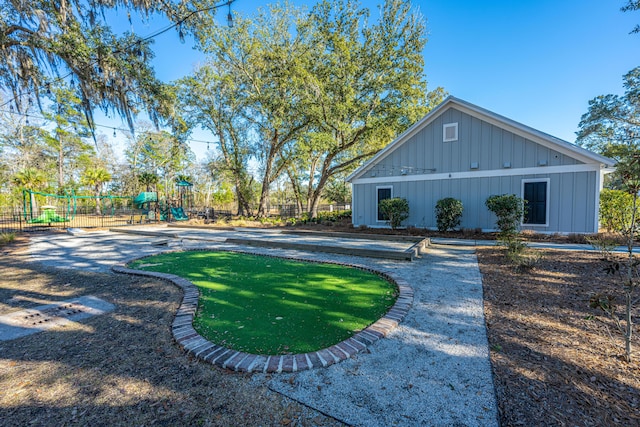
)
(395, 210)
(6, 238)
(448, 213)
(518, 253)
(603, 244)
(291, 221)
(509, 210)
(334, 216)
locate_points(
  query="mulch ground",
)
(556, 361)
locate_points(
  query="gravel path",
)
(432, 370)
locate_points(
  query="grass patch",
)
(267, 305)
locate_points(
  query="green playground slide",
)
(178, 214)
(145, 197)
(47, 216)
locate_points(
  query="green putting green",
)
(266, 305)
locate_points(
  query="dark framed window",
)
(536, 194)
(382, 193)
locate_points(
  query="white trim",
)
(599, 186)
(444, 132)
(544, 170)
(546, 203)
(381, 187)
(353, 217)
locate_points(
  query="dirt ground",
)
(555, 360)
(120, 368)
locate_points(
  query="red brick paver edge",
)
(193, 343)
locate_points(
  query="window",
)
(382, 193)
(449, 132)
(536, 193)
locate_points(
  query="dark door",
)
(383, 193)
(535, 193)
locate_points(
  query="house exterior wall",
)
(491, 155)
(478, 142)
(572, 200)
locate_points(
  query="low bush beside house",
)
(448, 213)
(395, 210)
(509, 210)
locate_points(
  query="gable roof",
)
(524, 131)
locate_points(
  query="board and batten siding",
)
(490, 155)
(571, 203)
(490, 146)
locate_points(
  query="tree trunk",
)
(98, 209)
(32, 198)
(297, 192)
(243, 204)
(266, 180)
(310, 201)
(628, 333)
(317, 193)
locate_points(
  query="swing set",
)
(64, 208)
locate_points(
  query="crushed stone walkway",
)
(433, 369)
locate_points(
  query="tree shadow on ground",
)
(119, 368)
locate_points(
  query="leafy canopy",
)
(612, 124)
(43, 42)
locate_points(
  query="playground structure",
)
(48, 215)
(147, 203)
(69, 210)
(152, 208)
(185, 198)
(64, 208)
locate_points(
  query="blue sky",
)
(536, 62)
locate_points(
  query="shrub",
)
(334, 216)
(396, 210)
(448, 213)
(6, 238)
(519, 254)
(616, 207)
(509, 209)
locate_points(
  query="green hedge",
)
(616, 207)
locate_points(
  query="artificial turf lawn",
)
(266, 305)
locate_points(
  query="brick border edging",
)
(192, 342)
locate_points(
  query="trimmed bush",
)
(509, 209)
(395, 210)
(448, 213)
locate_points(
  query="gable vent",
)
(449, 132)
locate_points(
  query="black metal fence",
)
(292, 211)
(17, 219)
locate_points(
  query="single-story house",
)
(466, 152)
